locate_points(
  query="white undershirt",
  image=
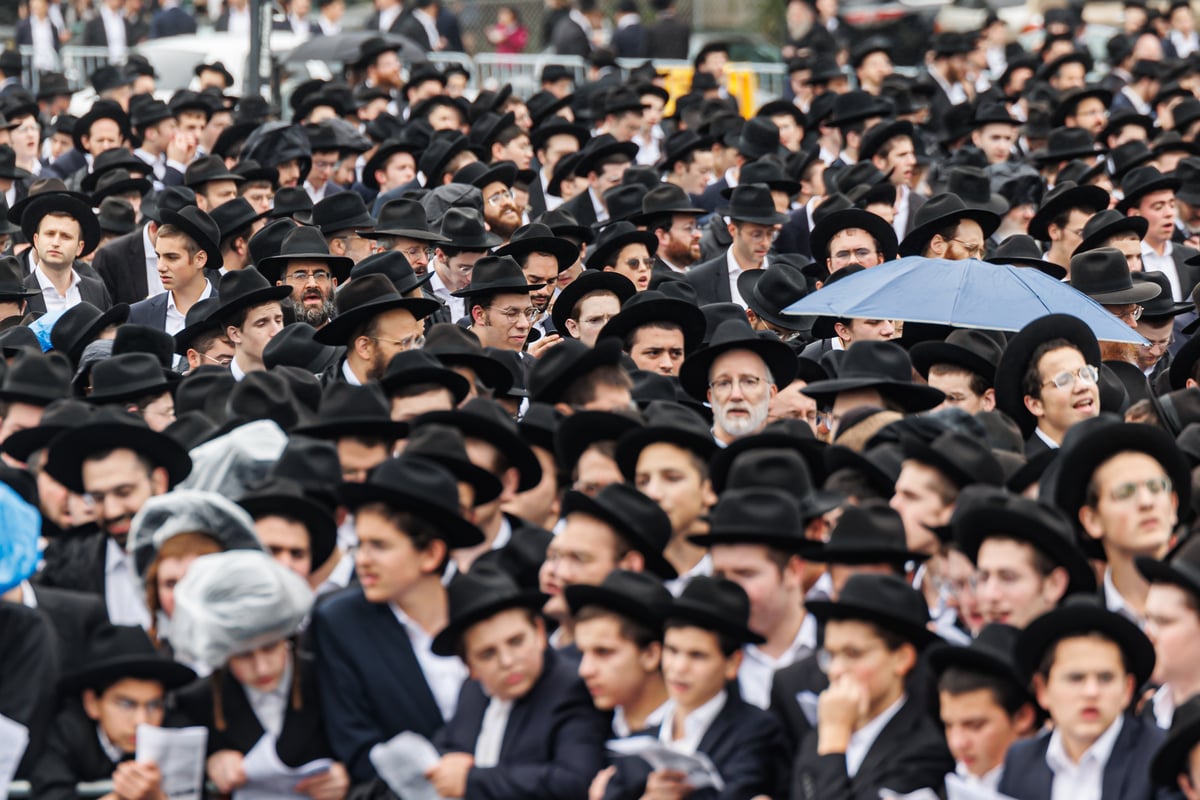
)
(114, 32)
(444, 674)
(50, 295)
(758, 669)
(491, 733)
(271, 707)
(176, 320)
(125, 604)
(1083, 780)
(695, 724)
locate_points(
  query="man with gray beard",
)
(305, 264)
(737, 374)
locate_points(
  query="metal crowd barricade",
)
(21, 790)
(76, 62)
(523, 71)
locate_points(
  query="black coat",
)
(909, 754)
(76, 561)
(522, 557)
(171, 22)
(122, 265)
(75, 617)
(25, 34)
(152, 312)
(73, 755)
(568, 39)
(28, 676)
(668, 37)
(553, 743)
(94, 34)
(630, 41)
(409, 26)
(91, 290)
(1126, 775)
(710, 279)
(745, 745)
(581, 208)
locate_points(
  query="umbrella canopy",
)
(345, 47)
(965, 294)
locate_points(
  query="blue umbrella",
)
(965, 294)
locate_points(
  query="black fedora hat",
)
(484, 419)
(80, 324)
(292, 202)
(340, 212)
(447, 447)
(879, 229)
(546, 130)
(58, 417)
(208, 168)
(881, 133)
(624, 201)
(365, 298)
(1188, 172)
(269, 239)
(414, 367)
(869, 533)
(393, 265)
(715, 604)
(970, 349)
(781, 435)
(348, 410)
(201, 229)
(12, 281)
(497, 274)
(404, 218)
(992, 513)
(36, 379)
(1103, 275)
(1184, 361)
(1064, 144)
(1106, 224)
(887, 601)
(1180, 568)
(1081, 615)
(574, 434)
(1173, 756)
(751, 202)
(1061, 199)
(615, 237)
(634, 516)
(465, 229)
(538, 238)
(1069, 103)
(479, 595)
(599, 149)
(101, 109)
(769, 170)
(294, 346)
(590, 280)
(963, 459)
(304, 243)
(666, 422)
(638, 596)
(564, 224)
(116, 652)
(733, 335)
(233, 216)
(281, 497)
(245, 288)
(883, 366)
(679, 145)
(759, 137)
(1123, 158)
(566, 168)
(110, 429)
(418, 486)
(663, 201)
(937, 214)
(378, 160)
(651, 306)
(458, 348)
(556, 370)
(171, 198)
(128, 376)
(73, 205)
(119, 182)
(1010, 373)
(1162, 308)
(990, 653)
(760, 515)
(1143, 181)
(197, 322)
(974, 186)
(768, 291)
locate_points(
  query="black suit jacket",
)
(668, 37)
(744, 743)
(75, 617)
(152, 312)
(171, 22)
(73, 755)
(909, 754)
(410, 26)
(710, 279)
(1034, 446)
(800, 677)
(122, 265)
(371, 683)
(710, 199)
(1126, 775)
(373, 24)
(28, 676)
(568, 39)
(75, 560)
(630, 41)
(581, 208)
(1189, 276)
(91, 290)
(553, 744)
(94, 34)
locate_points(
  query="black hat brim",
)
(689, 318)
(117, 315)
(912, 397)
(780, 360)
(448, 379)
(976, 526)
(171, 674)
(74, 446)
(704, 617)
(61, 202)
(273, 268)
(1166, 182)
(366, 427)
(564, 252)
(338, 330)
(321, 525)
(565, 303)
(599, 257)
(518, 453)
(917, 239)
(585, 594)
(1010, 372)
(1079, 620)
(451, 527)
(879, 228)
(631, 445)
(840, 610)
(446, 642)
(579, 503)
(925, 354)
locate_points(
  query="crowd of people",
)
(416, 440)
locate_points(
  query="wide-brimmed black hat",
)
(666, 422)
(480, 418)
(1010, 373)
(614, 238)
(234, 216)
(386, 150)
(197, 322)
(304, 243)
(768, 291)
(348, 410)
(404, 218)
(883, 366)
(751, 202)
(638, 596)
(76, 206)
(80, 324)
(1143, 181)
(1106, 224)
(118, 182)
(538, 238)
(112, 428)
(1081, 615)
(208, 168)
(294, 346)
(464, 229)
(201, 229)
(1103, 275)
(293, 203)
(497, 274)
(477, 596)
(365, 298)
(991, 653)
(544, 131)
(663, 201)
(600, 148)
(590, 280)
(679, 145)
(1022, 250)
(1103, 440)
(415, 367)
(101, 109)
(245, 288)
(128, 376)
(651, 306)
(58, 417)
(560, 367)
(974, 186)
(447, 447)
(36, 379)
(939, 213)
(881, 133)
(281, 497)
(341, 212)
(869, 533)
(879, 229)
(418, 486)
(1061, 199)
(761, 515)
(1173, 756)
(736, 335)
(116, 652)
(1162, 308)
(1070, 101)
(12, 280)
(970, 349)
(393, 265)
(994, 513)
(1180, 568)
(574, 434)
(718, 605)
(768, 170)
(634, 516)
(887, 601)
(455, 346)
(962, 459)
(1064, 144)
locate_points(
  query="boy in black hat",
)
(963, 367)
(1173, 626)
(61, 229)
(1086, 664)
(464, 239)
(1149, 193)
(187, 248)
(703, 636)
(95, 736)
(497, 301)
(753, 224)
(250, 312)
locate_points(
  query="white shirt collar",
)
(1098, 754)
(864, 738)
(597, 206)
(701, 567)
(114, 753)
(1115, 602)
(349, 375)
(1045, 437)
(758, 668)
(695, 724)
(271, 707)
(236, 370)
(620, 724)
(990, 780)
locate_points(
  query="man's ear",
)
(91, 704)
(201, 257)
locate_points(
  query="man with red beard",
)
(305, 264)
(669, 214)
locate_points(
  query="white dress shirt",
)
(862, 739)
(1045, 437)
(54, 300)
(154, 284)
(430, 26)
(457, 305)
(758, 669)
(388, 17)
(491, 732)
(620, 724)
(1153, 262)
(328, 26)
(444, 674)
(1083, 780)
(271, 707)
(239, 21)
(695, 724)
(989, 781)
(702, 567)
(45, 57)
(1114, 601)
(903, 209)
(597, 206)
(734, 271)
(349, 375)
(175, 318)
(114, 32)
(125, 604)
(236, 370)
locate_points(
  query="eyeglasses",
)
(1126, 491)
(224, 361)
(1131, 312)
(972, 248)
(323, 164)
(408, 343)
(760, 235)
(1066, 380)
(1159, 344)
(500, 196)
(511, 314)
(947, 587)
(300, 276)
(746, 383)
(858, 256)
(413, 253)
(689, 229)
(639, 263)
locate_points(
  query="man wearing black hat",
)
(602, 163)
(186, 246)
(128, 264)
(963, 367)
(61, 229)
(1150, 194)
(753, 222)
(1172, 623)
(543, 257)
(250, 312)
(668, 213)
(1086, 665)
(497, 302)
(463, 240)
(305, 265)
(890, 146)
